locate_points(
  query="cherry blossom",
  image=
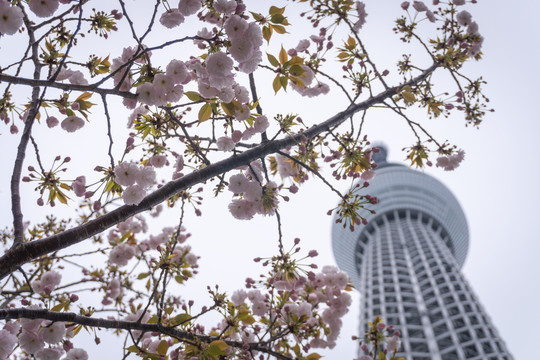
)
(7, 343)
(189, 7)
(79, 186)
(121, 254)
(464, 17)
(361, 10)
(171, 18)
(126, 173)
(31, 342)
(133, 194)
(43, 8)
(52, 333)
(419, 6)
(225, 6)
(72, 123)
(76, 354)
(450, 162)
(225, 143)
(11, 18)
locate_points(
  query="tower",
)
(406, 264)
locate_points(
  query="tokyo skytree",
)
(406, 264)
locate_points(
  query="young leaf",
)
(205, 112)
(283, 56)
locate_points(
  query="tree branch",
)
(181, 335)
(91, 88)
(18, 256)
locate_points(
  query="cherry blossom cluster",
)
(43, 339)
(137, 179)
(450, 162)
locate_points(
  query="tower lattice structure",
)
(406, 264)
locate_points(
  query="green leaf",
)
(179, 319)
(245, 317)
(277, 18)
(284, 81)
(274, 10)
(58, 307)
(267, 33)
(272, 60)
(408, 97)
(193, 96)
(163, 347)
(279, 29)
(276, 84)
(313, 356)
(205, 112)
(283, 56)
(133, 349)
(217, 348)
(142, 276)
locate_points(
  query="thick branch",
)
(16, 257)
(91, 88)
(181, 335)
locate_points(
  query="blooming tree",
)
(181, 75)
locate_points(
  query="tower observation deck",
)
(406, 264)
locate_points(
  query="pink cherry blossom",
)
(11, 18)
(158, 161)
(393, 344)
(79, 186)
(242, 209)
(77, 78)
(126, 173)
(253, 191)
(12, 326)
(367, 175)
(259, 308)
(226, 94)
(189, 7)
(225, 143)
(133, 194)
(121, 254)
(251, 64)
(52, 333)
(30, 342)
(7, 343)
(177, 71)
(43, 8)
(147, 94)
(146, 176)
(464, 17)
(72, 123)
(235, 26)
(419, 6)
(361, 11)
(76, 354)
(225, 6)
(179, 164)
(171, 18)
(261, 124)
(242, 113)
(49, 354)
(450, 162)
(238, 183)
(238, 297)
(114, 289)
